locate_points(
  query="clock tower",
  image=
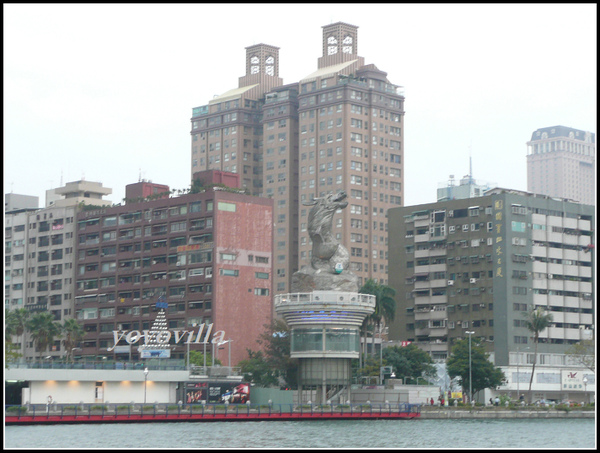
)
(339, 44)
(262, 67)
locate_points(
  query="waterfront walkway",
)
(489, 412)
(15, 415)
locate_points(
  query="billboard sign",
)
(154, 353)
(571, 380)
(217, 392)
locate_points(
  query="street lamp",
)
(73, 355)
(229, 352)
(145, 381)
(518, 375)
(585, 381)
(470, 373)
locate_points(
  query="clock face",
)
(254, 69)
(331, 50)
(270, 70)
(331, 40)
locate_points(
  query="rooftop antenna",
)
(470, 167)
(140, 176)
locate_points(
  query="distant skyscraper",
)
(561, 163)
(339, 128)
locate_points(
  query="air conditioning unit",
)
(550, 276)
(473, 280)
(178, 263)
(450, 282)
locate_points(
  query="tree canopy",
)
(536, 320)
(44, 329)
(273, 360)
(484, 373)
(584, 354)
(73, 333)
(409, 361)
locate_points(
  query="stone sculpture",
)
(330, 259)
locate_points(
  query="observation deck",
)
(324, 307)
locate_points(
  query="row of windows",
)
(146, 215)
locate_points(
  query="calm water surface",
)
(343, 434)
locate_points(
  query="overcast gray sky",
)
(105, 91)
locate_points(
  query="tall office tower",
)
(206, 255)
(479, 264)
(339, 128)
(561, 163)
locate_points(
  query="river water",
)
(343, 434)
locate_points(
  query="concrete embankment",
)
(429, 413)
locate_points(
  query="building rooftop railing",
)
(327, 297)
(217, 371)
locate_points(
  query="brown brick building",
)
(207, 254)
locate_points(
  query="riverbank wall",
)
(436, 413)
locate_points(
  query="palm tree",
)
(43, 330)
(73, 335)
(385, 305)
(9, 326)
(537, 320)
(16, 324)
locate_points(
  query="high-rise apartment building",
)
(339, 128)
(561, 163)
(478, 264)
(205, 256)
(39, 255)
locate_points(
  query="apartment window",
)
(229, 272)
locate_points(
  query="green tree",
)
(196, 186)
(73, 333)
(197, 358)
(410, 361)
(43, 330)
(385, 306)
(484, 373)
(584, 354)
(16, 324)
(9, 326)
(371, 367)
(275, 344)
(257, 370)
(536, 320)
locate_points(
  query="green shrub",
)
(18, 409)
